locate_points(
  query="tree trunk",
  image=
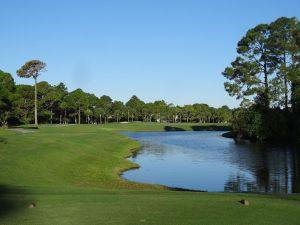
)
(266, 83)
(293, 96)
(51, 116)
(35, 102)
(65, 116)
(286, 100)
(286, 93)
(128, 116)
(79, 116)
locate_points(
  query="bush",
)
(268, 124)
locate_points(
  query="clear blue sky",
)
(155, 49)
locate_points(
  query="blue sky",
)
(155, 49)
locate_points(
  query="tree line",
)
(55, 104)
(266, 77)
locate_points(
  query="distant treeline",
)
(57, 105)
(266, 76)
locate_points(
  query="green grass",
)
(134, 127)
(71, 173)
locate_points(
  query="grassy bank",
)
(134, 127)
(71, 173)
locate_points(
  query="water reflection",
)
(207, 161)
(274, 169)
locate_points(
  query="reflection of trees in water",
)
(296, 172)
(273, 169)
(152, 148)
(239, 184)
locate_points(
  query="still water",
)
(206, 161)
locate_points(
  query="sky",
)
(155, 49)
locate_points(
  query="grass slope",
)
(71, 173)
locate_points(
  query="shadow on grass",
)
(169, 128)
(199, 128)
(25, 127)
(210, 128)
(3, 140)
(184, 189)
(12, 200)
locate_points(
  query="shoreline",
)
(228, 134)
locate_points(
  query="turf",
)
(71, 173)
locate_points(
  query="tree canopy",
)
(266, 76)
(57, 105)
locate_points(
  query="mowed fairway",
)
(72, 172)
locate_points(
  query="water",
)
(207, 161)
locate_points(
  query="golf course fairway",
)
(70, 175)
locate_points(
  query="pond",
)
(206, 161)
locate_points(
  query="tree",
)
(179, 113)
(23, 103)
(105, 105)
(118, 109)
(255, 58)
(159, 108)
(32, 69)
(63, 105)
(172, 113)
(188, 112)
(77, 99)
(201, 112)
(149, 110)
(267, 72)
(285, 48)
(135, 107)
(60, 100)
(225, 113)
(7, 88)
(90, 106)
(44, 97)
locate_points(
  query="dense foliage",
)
(57, 105)
(266, 76)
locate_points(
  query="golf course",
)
(70, 174)
(153, 112)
